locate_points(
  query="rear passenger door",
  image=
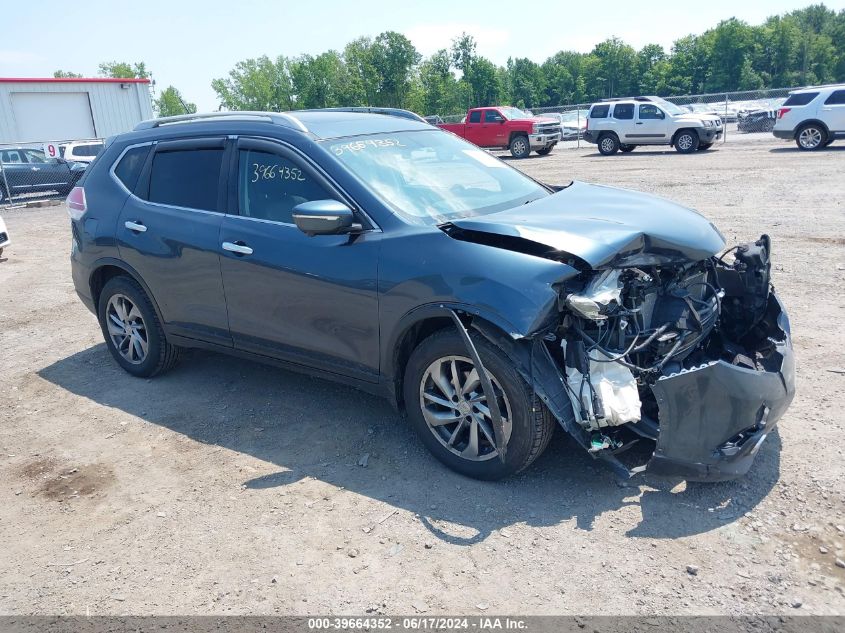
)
(623, 115)
(169, 230)
(833, 111)
(307, 300)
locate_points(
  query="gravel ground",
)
(228, 487)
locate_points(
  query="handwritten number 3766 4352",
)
(269, 172)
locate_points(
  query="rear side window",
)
(623, 111)
(87, 150)
(186, 178)
(475, 116)
(801, 99)
(837, 97)
(599, 112)
(129, 167)
(271, 186)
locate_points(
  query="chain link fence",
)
(37, 171)
(742, 113)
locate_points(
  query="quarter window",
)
(599, 112)
(837, 97)
(475, 116)
(129, 167)
(271, 186)
(623, 111)
(11, 156)
(801, 99)
(186, 178)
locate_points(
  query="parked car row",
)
(25, 170)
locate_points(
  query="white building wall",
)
(114, 109)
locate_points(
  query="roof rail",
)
(640, 98)
(398, 112)
(279, 118)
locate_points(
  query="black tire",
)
(687, 141)
(160, 355)
(531, 422)
(545, 151)
(624, 148)
(520, 147)
(705, 146)
(810, 137)
(608, 144)
(3, 197)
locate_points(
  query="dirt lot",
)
(230, 487)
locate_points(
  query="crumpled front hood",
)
(607, 227)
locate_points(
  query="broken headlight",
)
(602, 291)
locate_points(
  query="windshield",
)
(668, 106)
(514, 113)
(431, 177)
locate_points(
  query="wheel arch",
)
(418, 325)
(516, 133)
(106, 269)
(804, 124)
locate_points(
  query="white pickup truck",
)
(623, 124)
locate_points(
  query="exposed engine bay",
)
(626, 333)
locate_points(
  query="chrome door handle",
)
(36, 169)
(135, 226)
(240, 249)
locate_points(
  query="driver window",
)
(491, 116)
(649, 111)
(271, 186)
(35, 157)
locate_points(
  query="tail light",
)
(587, 123)
(783, 111)
(76, 204)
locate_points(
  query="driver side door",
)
(650, 124)
(312, 301)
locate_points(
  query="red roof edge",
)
(103, 80)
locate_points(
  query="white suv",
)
(814, 117)
(623, 124)
(81, 151)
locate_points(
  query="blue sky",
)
(189, 43)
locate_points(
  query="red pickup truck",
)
(504, 127)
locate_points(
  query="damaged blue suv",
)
(489, 307)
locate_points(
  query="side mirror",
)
(324, 217)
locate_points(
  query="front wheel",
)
(608, 145)
(448, 408)
(132, 331)
(520, 148)
(811, 137)
(687, 141)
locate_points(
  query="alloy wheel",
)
(810, 138)
(607, 144)
(685, 141)
(127, 329)
(519, 146)
(456, 410)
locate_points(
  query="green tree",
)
(525, 82)
(394, 58)
(363, 75)
(124, 70)
(257, 84)
(170, 103)
(66, 74)
(617, 66)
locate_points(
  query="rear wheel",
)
(520, 148)
(811, 137)
(687, 141)
(449, 410)
(627, 148)
(132, 331)
(608, 144)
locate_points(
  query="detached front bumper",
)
(714, 418)
(541, 141)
